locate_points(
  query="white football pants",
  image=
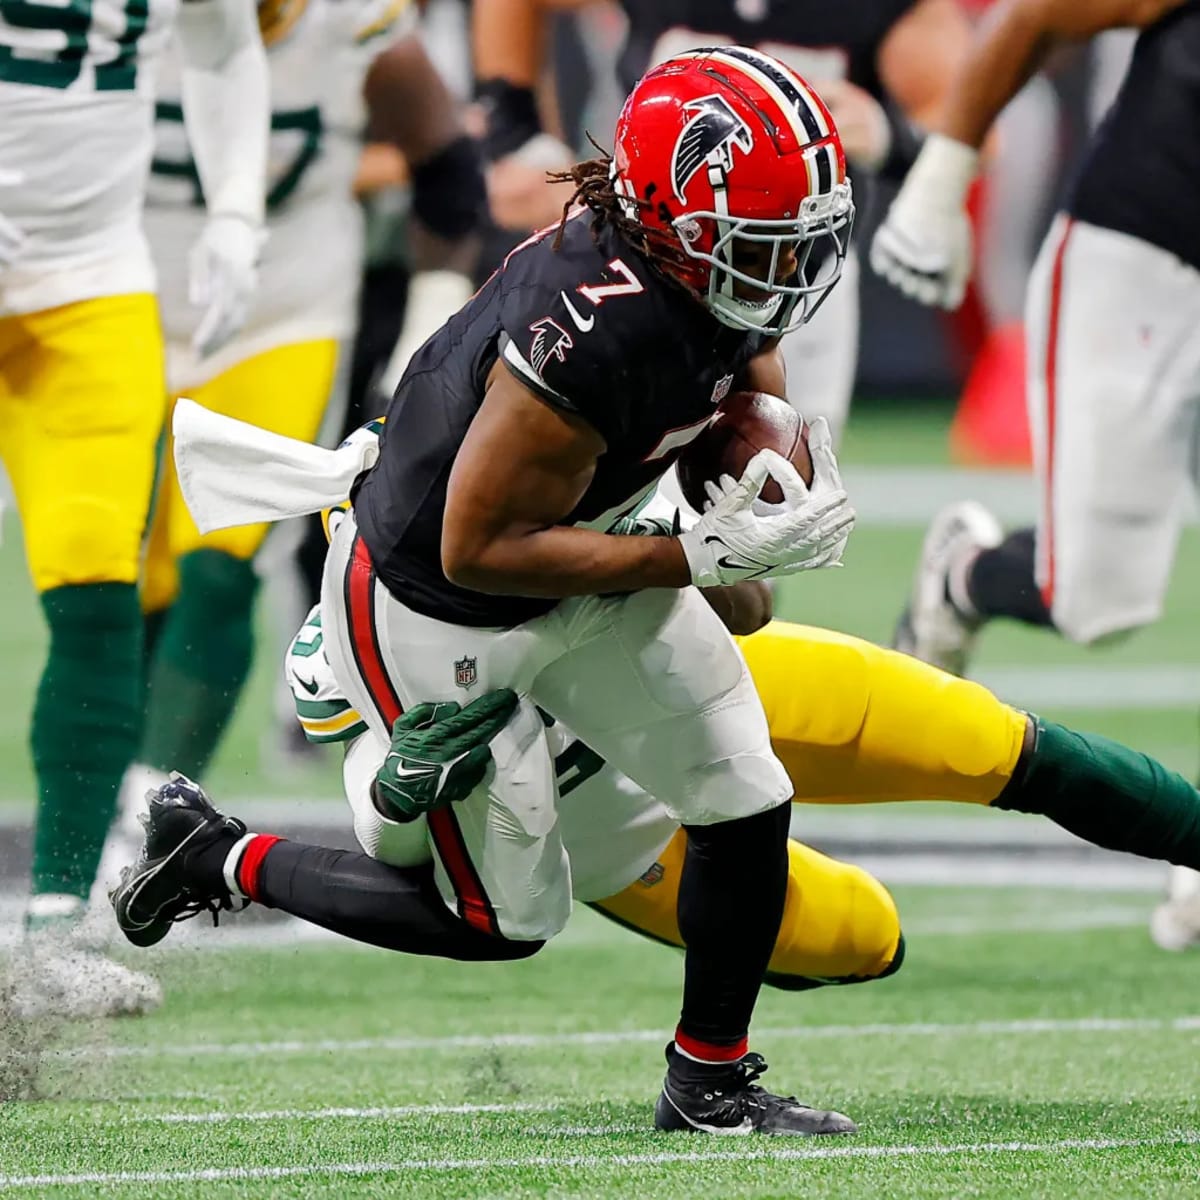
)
(652, 682)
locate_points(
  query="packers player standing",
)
(338, 68)
(82, 396)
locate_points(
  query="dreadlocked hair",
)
(593, 180)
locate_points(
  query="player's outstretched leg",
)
(197, 860)
(1106, 793)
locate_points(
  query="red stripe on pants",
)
(473, 904)
(1052, 328)
(360, 595)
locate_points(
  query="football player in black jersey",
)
(1113, 371)
(881, 66)
(478, 560)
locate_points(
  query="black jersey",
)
(593, 330)
(1141, 174)
(821, 39)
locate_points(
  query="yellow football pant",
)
(285, 390)
(856, 724)
(839, 923)
(853, 724)
(82, 404)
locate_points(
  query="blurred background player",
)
(881, 66)
(339, 69)
(82, 395)
(1113, 370)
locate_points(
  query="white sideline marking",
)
(1187, 1024)
(335, 1114)
(592, 1161)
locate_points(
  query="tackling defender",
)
(868, 726)
(1113, 371)
(82, 394)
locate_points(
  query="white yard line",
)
(611, 1037)
(591, 1162)
(220, 1117)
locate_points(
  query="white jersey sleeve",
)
(323, 711)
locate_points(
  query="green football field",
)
(1035, 1043)
(1011, 1057)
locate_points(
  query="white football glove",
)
(923, 246)
(731, 542)
(827, 478)
(223, 274)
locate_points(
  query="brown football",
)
(746, 423)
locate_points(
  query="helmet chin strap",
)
(745, 314)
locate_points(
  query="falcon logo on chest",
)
(709, 137)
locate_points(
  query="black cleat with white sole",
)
(703, 1098)
(162, 885)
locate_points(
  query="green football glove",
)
(640, 526)
(439, 754)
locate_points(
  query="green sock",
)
(204, 654)
(86, 722)
(1110, 795)
(155, 623)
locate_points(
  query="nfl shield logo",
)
(465, 674)
(721, 389)
(652, 876)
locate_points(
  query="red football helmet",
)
(721, 151)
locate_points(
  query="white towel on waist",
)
(232, 473)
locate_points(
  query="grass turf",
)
(1017, 1063)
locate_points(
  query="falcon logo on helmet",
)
(760, 236)
(709, 137)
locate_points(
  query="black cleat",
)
(699, 1098)
(158, 888)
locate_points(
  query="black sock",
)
(731, 895)
(352, 894)
(1001, 582)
